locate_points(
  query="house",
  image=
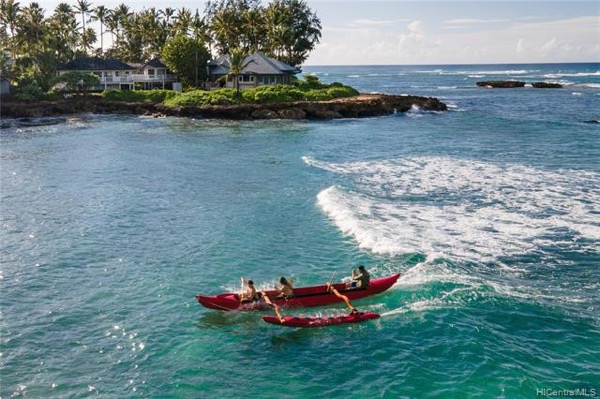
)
(153, 73)
(257, 69)
(117, 75)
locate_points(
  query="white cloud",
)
(467, 23)
(375, 22)
(561, 40)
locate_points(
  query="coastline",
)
(363, 105)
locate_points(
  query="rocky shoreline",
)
(363, 105)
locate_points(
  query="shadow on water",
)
(228, 321)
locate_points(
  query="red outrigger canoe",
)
(290, 321)
(303, 296)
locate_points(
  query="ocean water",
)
(490, 211)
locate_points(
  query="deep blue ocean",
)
(490, 211)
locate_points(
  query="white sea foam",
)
(460, 209)
(494, 72)
(579, 74)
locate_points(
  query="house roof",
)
(154, 63)
(255, 64)
(95, 64)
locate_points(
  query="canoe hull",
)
(313, 322)
(303, 296)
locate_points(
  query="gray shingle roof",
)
(95, 64)
(255, 64)
(155, 63)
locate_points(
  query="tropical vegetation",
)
(36, 43)
(310, 89)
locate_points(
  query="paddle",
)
(331, 280)
(241, 289)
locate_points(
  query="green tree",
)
(294, 30)
(78, 81)
(63, 36)
(9, 19)
(237, 63)
(231, 23)
(84, 7)
(183, 22)
(187, 58)
(100, 14)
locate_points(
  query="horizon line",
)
(456, 64)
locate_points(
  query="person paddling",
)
(286, 288)
(250, 294)
(361, 278)
(344, 298)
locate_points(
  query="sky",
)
(372, 32)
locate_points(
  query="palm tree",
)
(9, 17)
(84, 7)
(123, 15)
(100, 14)
(201, 31)
(112, 24)
(237, 63)
(31, 30)
(183, 21)
(63, 34)
(295, 30)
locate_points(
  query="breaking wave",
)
(463, 210)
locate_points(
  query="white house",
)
(117, 75)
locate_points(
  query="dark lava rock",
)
(546, 85)
(501, 84)
(364, 105)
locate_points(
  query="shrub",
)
(77, 81)
(310, 82)
(318, 95)
(344, 91)
(29, 92)
(272, 94)
(202, 97)
(155, 96)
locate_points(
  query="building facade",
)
(117, 75)
(257, 69)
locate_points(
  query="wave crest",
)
(462, 210)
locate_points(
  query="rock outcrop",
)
(501, 84)
(364, 105)
(546, 85)
(509, 84)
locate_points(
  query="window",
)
(151, 72)
(246, 78)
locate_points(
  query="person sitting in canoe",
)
(331, 288)
(250, 294)
(361, 278)
(286, 288)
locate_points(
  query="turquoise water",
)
(111, 224)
